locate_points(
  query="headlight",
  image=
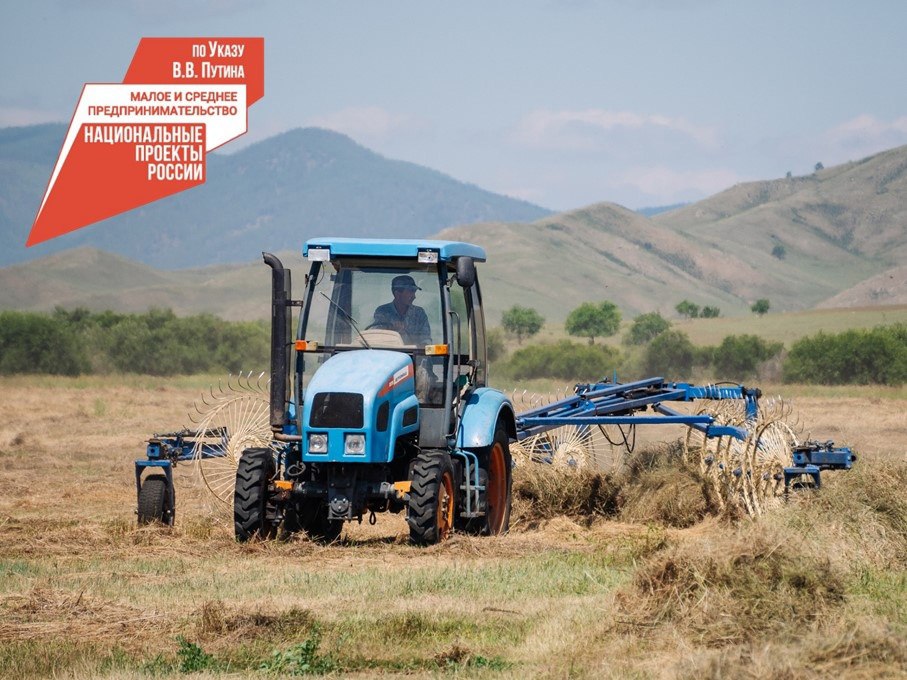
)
(318, 443)
(354, 444)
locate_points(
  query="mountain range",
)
(271, 195)
(833, 238)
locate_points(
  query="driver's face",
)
(404, 296)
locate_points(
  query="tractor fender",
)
(481, 413)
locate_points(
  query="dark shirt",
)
(412, 326)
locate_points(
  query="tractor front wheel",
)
(155, 501)
(252, 508)
(432, 498)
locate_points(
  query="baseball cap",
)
(404, 282)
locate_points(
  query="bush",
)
(877, 356)
(688, 309)
(38, 343)
(738, 356)
(565, 360)
(710, 312)
(646, 327)
(671, 355)
(494, 343)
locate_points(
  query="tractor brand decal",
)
(400, 376)
(133, 143)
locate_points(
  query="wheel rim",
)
(445, 514)
(497, 489)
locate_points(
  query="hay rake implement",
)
(751, 454)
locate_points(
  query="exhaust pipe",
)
(281, 316)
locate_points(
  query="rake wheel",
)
(232, 419)
(573, 446)
(746, 474)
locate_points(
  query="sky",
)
(563, 103)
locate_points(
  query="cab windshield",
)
(353, 305)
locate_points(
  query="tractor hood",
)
(360, 401)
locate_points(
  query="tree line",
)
(653, 347)
(78, 341)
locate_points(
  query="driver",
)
(402, 315)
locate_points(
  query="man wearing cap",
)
(402, 315)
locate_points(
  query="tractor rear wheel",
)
(499, 485)
(495, 460)
(432, 498)
(155, 503)
(252, 508)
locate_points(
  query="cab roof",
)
(365, 247)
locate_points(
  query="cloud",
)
(12, 116)
(370, 124)
(864, 135)
(667, 184)
(589, 129)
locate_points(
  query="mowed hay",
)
(734, 586)
(655, 486)
(544, 491)
(659, 486)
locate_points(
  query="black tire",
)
(252, 509)
(432, 498)
(495, 460)
(155, 501)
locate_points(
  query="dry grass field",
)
(610, 587)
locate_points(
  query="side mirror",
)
(466, 271)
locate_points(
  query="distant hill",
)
(658, 209)
(837, 238)
(99, 280)
(270, 196)
(887, 288)
(834, 229)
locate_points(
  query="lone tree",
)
(646, 327)
(710, 312)
(522, 322)
(760, 306)
(590, 320)
(688, 309)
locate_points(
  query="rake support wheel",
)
(432, 498)
(155, 501)
(253, 510)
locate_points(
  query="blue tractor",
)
(379, 397)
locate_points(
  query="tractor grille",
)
(337, 409)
